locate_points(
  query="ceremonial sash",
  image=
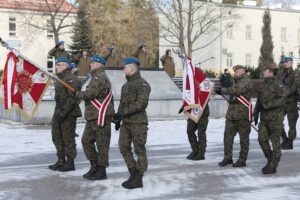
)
(102, 108)
(246, 103)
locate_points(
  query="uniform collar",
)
(133, 76)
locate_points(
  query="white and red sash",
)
(246, 103)
(102, 108)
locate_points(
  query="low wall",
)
(164, 102)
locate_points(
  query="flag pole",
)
(4, 44)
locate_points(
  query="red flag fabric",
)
(9, 79)
(30, 85)
(197, 89)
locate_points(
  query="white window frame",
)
(248, 59)
(12, 21)
(248, 32)
(229, 60)
(49, 29)
(229, 31)
(283, 34)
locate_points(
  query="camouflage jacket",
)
(241, 86)
(66, 103)
(269, 102)
(98, 88)
(57, 53)
(134, 100)
(286, 77)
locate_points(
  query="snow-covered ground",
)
(26, 152)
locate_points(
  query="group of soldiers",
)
(80, 64)
(130, 118)
(276, 98)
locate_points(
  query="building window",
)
(283, 35)
(248, 32)
(229, 59)
(229, 31)
(49, 29)
(50, 64)
(12, 26)
(248, 60)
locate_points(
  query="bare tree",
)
(184, 22)
(48, 15)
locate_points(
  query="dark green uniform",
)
(58, 53)
(98, 88)
(286, 78)
(134, 101)
(65, 114)
(237, 118)
(269, 102)
(199, 145)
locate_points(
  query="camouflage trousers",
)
(231, 129)
(92, 134)
(135, 134)
(63, 137)
(201, 126)
(291, 110)
(270, 131)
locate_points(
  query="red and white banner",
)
(102, 108)
(26, 82)
(196, 90)
(246, 103)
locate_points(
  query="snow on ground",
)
(26, 151)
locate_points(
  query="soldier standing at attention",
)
(237, 117)
(59, 51)
(168, 63)
(269, 105)
(198, 146)
(132, 112)
(143, 56)
(99, 110)
(64, 118)
(286, 78)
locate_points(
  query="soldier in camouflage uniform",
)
(198, 146)
(132, 111)
(143, 56)
(237, 117)
(269, 105)
(64, 118)
(286, 78)
(59, 51)
(99, 88)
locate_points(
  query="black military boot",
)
(269, 170)
(60, 162)
(287, 145)
(284, 139)
(268, 163)
(132, 172)
(100, 174)
(225, 162)
(68, 166)
(192, 154)
(135, 182)
(198, 156)
(92, 170)
(239, 163)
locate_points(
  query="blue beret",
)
(72, 66)
(287, 59)
(131, 60)
(60, 43)
(98, 59)
(62, 59)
